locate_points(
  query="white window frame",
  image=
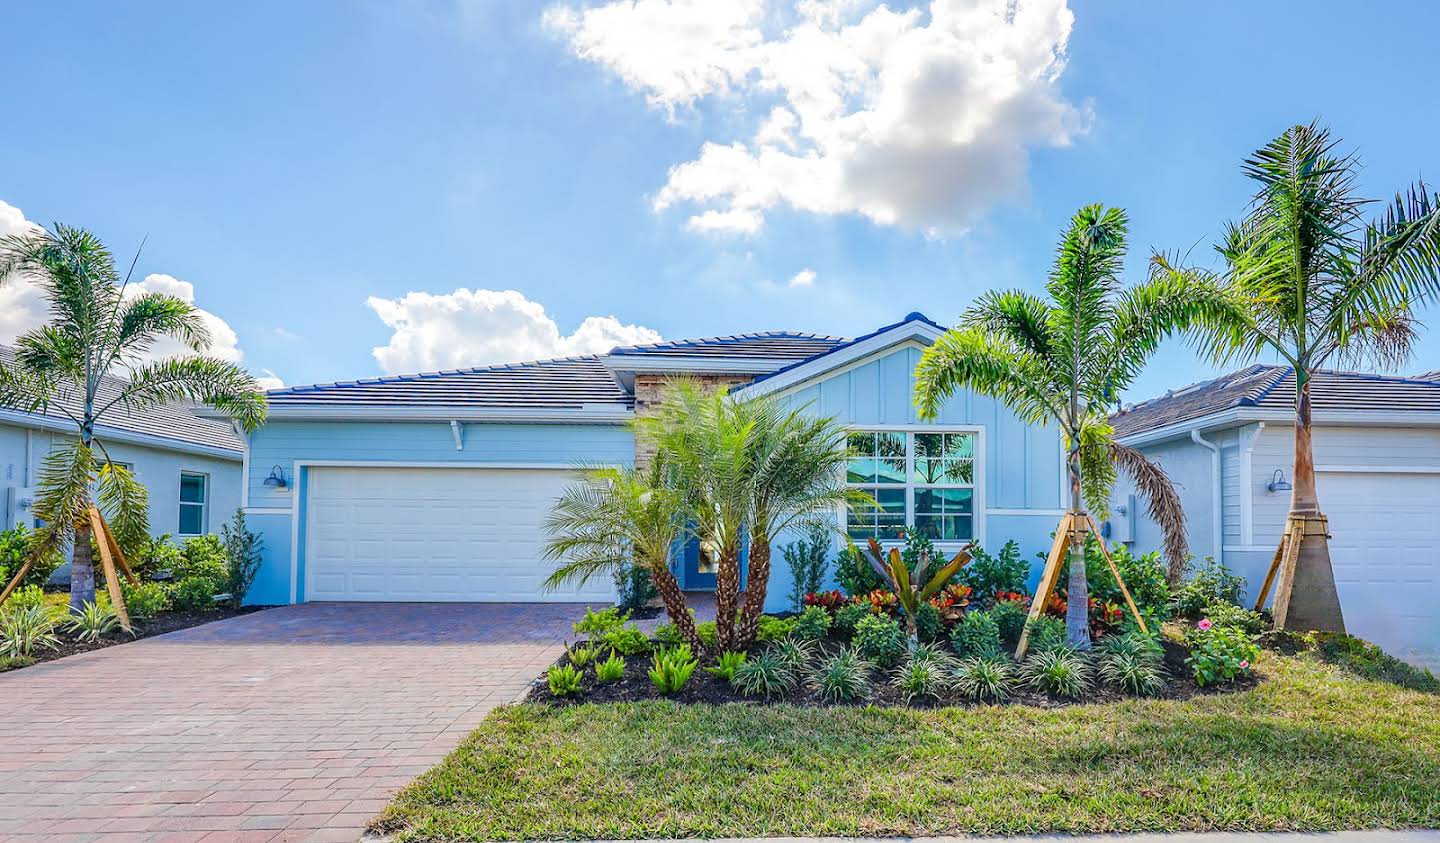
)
(204, 504)
(977, 483)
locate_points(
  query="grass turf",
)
(1309, 749)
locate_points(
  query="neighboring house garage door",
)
(433, 534)
(1386, 555)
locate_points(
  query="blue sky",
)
(292, 161)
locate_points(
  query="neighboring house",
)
(191, 466)
(1228, 444)
(434, 487)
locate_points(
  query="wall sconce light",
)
(276, 480)
(1278, 483)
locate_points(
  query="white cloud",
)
(803, 278)
(470, 328)
(268, 380)
(921, 118)
(23, 305)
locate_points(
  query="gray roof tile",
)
(781, 346)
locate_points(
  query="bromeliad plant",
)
(911, 588)
(89, 363)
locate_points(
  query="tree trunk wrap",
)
(82, 570)
(674, 600)
(1077, 590)
(1310, 600)
(727, 587)
(757, 583)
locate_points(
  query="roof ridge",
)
(1263, 389)
(725, 338)
(419, 376)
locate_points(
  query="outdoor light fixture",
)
(1278, 483)
(276, 480)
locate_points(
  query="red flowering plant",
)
(1012, 597)
(882, 602)
(830, 601)
(952, 603)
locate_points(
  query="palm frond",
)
(24, 390)
(125, 503)
(981, 362)
(63, 499)
(206, 380)
(1020, 317)
(148, 317)
(1162, 501)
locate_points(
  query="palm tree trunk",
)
(674, 600)
(757, 583)
(82, 570)
(727, 594)
(1077, 591)
(1313, 602)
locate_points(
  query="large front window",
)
(921, 478)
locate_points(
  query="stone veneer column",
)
(650, 389)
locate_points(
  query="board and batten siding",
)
(286, 443)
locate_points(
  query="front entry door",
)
(700, 566)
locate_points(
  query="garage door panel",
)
(458, 534)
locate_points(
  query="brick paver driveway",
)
(294, 723)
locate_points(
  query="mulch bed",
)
(167, 622)
(635, 685)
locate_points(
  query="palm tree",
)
(97, 330)
(795, 477)
(1313, 282)
(618, 517)
(1065, 361)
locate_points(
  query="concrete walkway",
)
(295, 723)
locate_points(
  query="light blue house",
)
(433, 487)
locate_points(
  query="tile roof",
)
(175, 421)
(1273, 388)
(841, 345)
(565, 383)
(783, 346)
(1429, 376)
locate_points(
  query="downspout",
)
(1216, 502)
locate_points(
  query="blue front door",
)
(699, 567)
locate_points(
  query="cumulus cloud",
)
(23, 305)
(922, 118)
(470, 328)
(803, 278)
(268, 380)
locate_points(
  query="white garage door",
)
(433, 534)
(1386, 554)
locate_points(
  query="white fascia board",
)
(814, 368)
(1244, 415)
(697, 364)
(115, 434)
(590, 414)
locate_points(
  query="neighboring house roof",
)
(769, 345)
(1429, 376)
(173, 425)
(1272, 388)
(568, 383)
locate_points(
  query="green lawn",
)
(1310, 748)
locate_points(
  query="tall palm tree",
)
(1065, 361)
(795, 476)
(617, 517)
(1312, 281)
(97, 330)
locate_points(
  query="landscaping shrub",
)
(563, 680)
(1060, 671)
(596, 624)
(242, 558)
(193, 594)
(809, 563)
(24, 598)
(634, 587)
(582, 656)
(1010, 617)
(22, 630)
(989, 575)
(772, 628)
(203, 557)
(146, 600)
(976, 636)
(854, 575)
(984, 679)
(928, 625)
(1048, 633)
(842, 677)
(671, 668)
(830, 601)
(14, 550)
(793, 654)
(919, 679)
(94, 621)
(611, 669)
(1219, 654)
(1228, 614)
(708, 633)
(726, 665)
(156, 558)
(626, 639)
(763, 675)
(1132, 662)
(848, 617)
(813, 624)
(1147, 577)
(880, 640)
(667, 635)
(1211, 583)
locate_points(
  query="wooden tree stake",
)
(1275, 562)
(112, 582)
(1115, 572)
(1047, 579)
(15, 581)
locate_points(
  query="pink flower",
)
(1204, 625)
(1245, 664)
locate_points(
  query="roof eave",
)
(1235, 416)
(794, 374)
(116, 434)
(597, 413)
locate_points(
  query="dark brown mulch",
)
(168, 622)
(635, 685)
